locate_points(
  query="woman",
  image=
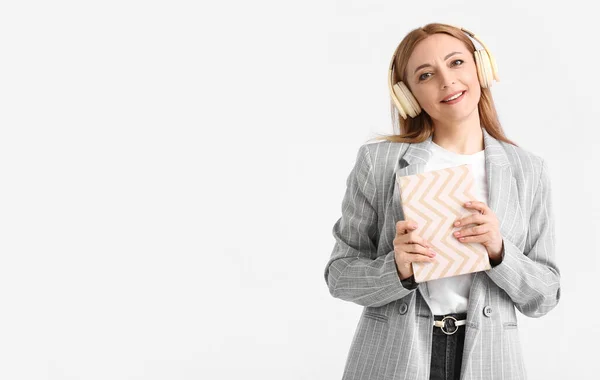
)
(440, 85)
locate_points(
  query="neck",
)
(464, 137)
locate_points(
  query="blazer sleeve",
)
(531, 276)
(354, 272)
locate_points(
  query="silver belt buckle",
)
(449, 322)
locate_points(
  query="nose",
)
(446, 78)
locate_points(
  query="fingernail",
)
(414, 226)
(468, 204)
(457, 233)
(457, 223)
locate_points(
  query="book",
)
(435, 200)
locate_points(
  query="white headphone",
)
(405, 101)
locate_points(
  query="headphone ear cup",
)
(399, 101)
(416, 108)
(485, 68)
(494, 67)
(479, 65)
(407, 100)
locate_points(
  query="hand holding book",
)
(410, 248)
(486, 230)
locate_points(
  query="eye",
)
(424, 76)
(457, 62)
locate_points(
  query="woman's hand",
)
(486, 232)
(410, 248)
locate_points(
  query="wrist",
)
(403, 275)
(496, 259)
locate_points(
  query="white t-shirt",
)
(451, 294)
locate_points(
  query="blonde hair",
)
(420, 128)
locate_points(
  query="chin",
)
(462, 112)
(455, 117)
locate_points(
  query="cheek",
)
(425, 97)
(475, 89)
(474, 80)
(471, 79)
(471, 76)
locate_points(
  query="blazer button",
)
(403, 308)
(487, 311)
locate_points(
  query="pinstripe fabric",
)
(393, 336)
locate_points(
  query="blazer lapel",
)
(502, 187)
(415, 158)
(496, 163)
(412, 162)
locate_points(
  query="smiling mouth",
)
(455, 98)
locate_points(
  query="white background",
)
(170, 174)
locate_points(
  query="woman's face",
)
(439, 69)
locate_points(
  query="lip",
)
(455, 100)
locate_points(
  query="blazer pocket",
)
(376, 316)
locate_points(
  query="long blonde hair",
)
(420, 128)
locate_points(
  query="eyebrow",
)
(445, 58)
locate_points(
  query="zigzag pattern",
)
(435, 200)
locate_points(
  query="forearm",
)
(367, 282)
(534, 286)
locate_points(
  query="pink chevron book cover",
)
(435, 200)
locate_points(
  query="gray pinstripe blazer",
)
(393, 336)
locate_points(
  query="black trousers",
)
(447, 350)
